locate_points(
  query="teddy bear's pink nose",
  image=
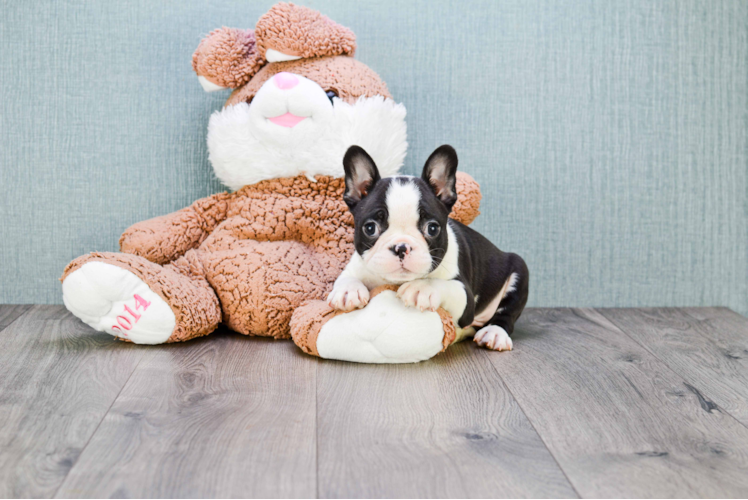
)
(285, 81)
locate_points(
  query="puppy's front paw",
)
(493, 337)
(421, 294)
(348, 295)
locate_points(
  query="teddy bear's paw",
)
(113, 300)
(348, 294)
(421, 294)
(385, 331)
(493, 337)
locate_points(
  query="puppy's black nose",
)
(401, 250)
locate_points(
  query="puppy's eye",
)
(331, 94)
(371, 229)
(433, 229)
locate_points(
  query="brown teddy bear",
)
(250, 257)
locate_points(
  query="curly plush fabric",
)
(306, 323)
(349, 78)
(260, 252)
(228, 57)
(467, 207)
(163, 239)
(189, 295)
(299, 31)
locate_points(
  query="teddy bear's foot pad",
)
(385, 331)
(113, 300)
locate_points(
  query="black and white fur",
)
(403, 235)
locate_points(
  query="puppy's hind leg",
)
(495, 334)
(493, 337)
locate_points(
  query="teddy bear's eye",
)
(331, 94)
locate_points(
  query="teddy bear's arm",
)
(163, 239)
(467, 207)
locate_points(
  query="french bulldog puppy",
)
(403, 235)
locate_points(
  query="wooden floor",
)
(591, 403)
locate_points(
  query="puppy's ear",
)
(440, 173)
(361, 174)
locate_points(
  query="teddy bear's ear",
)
(467, 207)
(287, 32)
(228, 57)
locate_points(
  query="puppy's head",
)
(401, 222)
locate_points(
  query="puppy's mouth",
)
(287, 120)
(404, 270)
(401, 275)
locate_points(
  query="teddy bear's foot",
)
(113, 300)
(385, 331)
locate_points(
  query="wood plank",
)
(722, 313)
(223, 416)
(58, 378)
(10, 312)
(447, 427)
(617, 419)
(42, 311)
(710, 353)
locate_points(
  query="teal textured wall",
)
(610, 138)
